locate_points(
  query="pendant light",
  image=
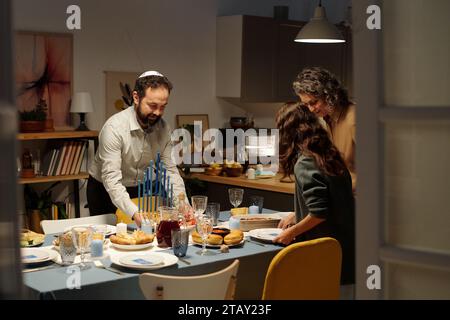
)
(319, 29)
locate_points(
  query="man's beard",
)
(146, 121)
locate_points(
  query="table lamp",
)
(82, 104)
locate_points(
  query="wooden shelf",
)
(270, 184)
(57, 135)
(43, 179)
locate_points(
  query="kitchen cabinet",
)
(257, 58)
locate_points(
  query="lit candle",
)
(96, 248)
(253, 209)
(121, 228)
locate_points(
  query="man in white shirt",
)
(127, 143)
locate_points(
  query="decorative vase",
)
(32, 126)
(35, 221)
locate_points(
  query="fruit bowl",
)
(213, 171)
(233, 171)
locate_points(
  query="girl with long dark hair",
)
(324, 203)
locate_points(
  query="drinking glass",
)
(256, 201)
(204, 228)
(180, 241)
(82, 237)
(199, 205)
(67, 248)
(213, 211)
(236, 196)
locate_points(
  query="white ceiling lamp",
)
(319, 29)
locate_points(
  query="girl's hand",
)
(285, 237)
(287, 221)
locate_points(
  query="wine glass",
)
(204, 227)
(82, 237)
(199, 205)
(236, 196)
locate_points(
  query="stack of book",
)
(65, 159)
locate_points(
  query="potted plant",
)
(34, 120)
(38, 205)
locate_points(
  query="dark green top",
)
(330, 198)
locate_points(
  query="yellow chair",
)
(123, 217)
(308, 270)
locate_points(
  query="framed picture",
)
(119, 89)
(44, 71)
(186, 120)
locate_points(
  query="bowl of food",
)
(214, 170)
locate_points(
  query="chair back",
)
(123, 217)
(219, 285)
(308, 270)
(58, 226)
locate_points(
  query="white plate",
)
(138, 260)
(265, 234)
(132, 247)
(109, 231)
(35, 244)
(30, 255)
(42, 255)
(217, 246)
(168, 260)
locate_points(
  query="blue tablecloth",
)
(102, 284)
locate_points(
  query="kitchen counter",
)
(269, 184)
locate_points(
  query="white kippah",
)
(150, 73)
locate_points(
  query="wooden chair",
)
(308, 270)
(123, 217)
(58, 226)
(219, 285)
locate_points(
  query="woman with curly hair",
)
(324, 203)
(323, 94)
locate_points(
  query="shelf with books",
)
(64, 158)
(43, 179)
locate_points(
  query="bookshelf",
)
(66, 136)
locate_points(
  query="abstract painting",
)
(119, 88)
(44, 70)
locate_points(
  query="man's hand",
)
(287, 221)
(285, 237)
(137, 217)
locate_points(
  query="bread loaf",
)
(234, 237)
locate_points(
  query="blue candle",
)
(139, 195)
(171, 194)
(145, 190)
(168, 191)
(165, 187)
(151, 185)
(96, 248)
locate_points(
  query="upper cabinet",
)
(257, 58)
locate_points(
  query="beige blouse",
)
(342, 130)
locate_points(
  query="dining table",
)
(55, 282)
